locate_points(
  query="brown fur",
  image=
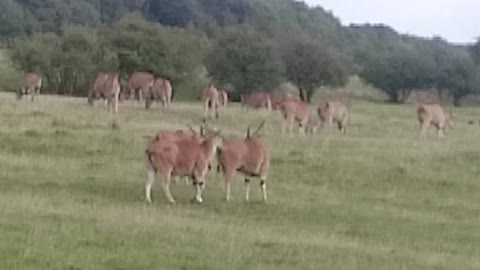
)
(295, 112)
(312, 123)
(434, 115)
(180, 156)
(161, 91)
(178, 135)
(139, 84)
(278, 98)
(31, 83)
(173, 136)
(334, 112)
(106, 86)
(248, 156)
(210, 99)
(257, 100)
(223, 98)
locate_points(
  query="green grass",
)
(71, 194)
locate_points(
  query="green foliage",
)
(311, 65)
(459, 76)
(37, 53)
(53, 15)
(399, 72)
(8, 75)
(172, 13)
(114, 10)
(395, 63)
(12, 19)
(401, 64)
(246, 60)
(169, 52)
(67, 62)
(475, 51)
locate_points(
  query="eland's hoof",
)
(196, 200)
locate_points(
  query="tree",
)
(68, 62)
(314, 48)
(475, 51)
(167, 12)
(458, 75)
(12, 20)
(311, 64)
(113, 10)
(400, 71)
(173, 53)
(53, 15)
(246, 60)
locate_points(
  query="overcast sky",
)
(455, 20)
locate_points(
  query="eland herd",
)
(190, 154)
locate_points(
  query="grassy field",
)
(72, 179)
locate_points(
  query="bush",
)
(8, 75)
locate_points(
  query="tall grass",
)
(71, 194)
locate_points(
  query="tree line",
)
(242, 45)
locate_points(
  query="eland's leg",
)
(423, 128)
(131, 95)
(205, 109)
(115, 102)
(344, 128)
(302, 129)
(263, 178)
(441, 134)
(263, 187)
(247, 189)
(149, 184)
(166, 187)
(200, 186)
(290, 122)
(345, 125)
(116, 97)
(228, 188)
(140, 95)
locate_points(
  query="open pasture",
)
(72, 193)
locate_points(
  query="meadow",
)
(72, 193)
